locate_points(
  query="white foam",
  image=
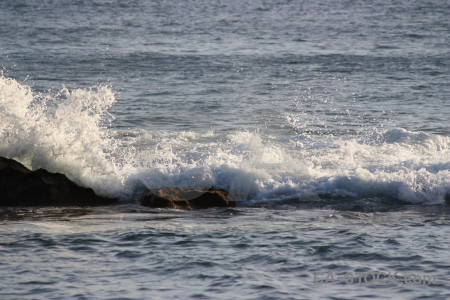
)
(67, 131)
(61, 132)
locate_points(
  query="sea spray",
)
(71, 131)
(62, 132)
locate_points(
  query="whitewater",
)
(67, 131)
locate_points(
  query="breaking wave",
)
(72, 132)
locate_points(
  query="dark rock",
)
(186, 199)
(20, 186)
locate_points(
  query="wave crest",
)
(68, 131)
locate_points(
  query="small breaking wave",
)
(72, 132)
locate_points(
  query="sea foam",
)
(62, 131)
(71, 131)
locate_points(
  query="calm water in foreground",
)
(327, 121)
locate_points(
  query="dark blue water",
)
(327, 121)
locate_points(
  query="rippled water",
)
(133, 253)
(327, 121)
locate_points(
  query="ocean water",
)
(328, 122)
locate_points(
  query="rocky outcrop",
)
(186, 199)
(20, 186)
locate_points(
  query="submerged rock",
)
(173, 197)
(20, 186)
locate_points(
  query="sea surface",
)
(327, 121)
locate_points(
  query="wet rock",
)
(173, 197)
(20, 186)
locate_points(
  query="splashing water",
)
(70, 131)
(61, 132)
